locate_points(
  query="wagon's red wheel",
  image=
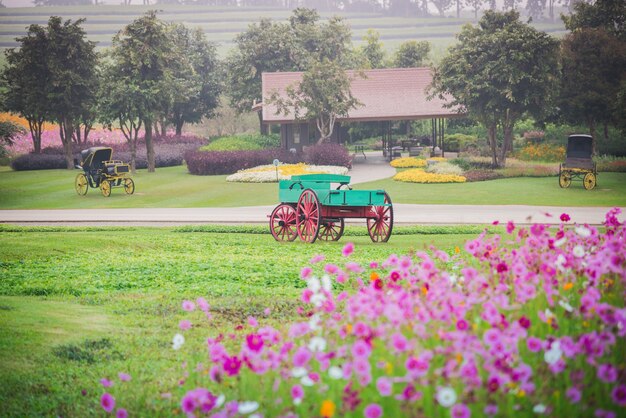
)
(283, 223)
(331, 230)
(380, 224)
(308, 216)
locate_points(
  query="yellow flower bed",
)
(420, 176)
(408, 162)
(267, 173)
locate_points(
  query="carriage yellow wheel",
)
(565, 179)
(129, 186)
(81, 185)
(589, 181)
(105, 188)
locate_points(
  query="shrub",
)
(458, 142)
(541, 152)
(482, 175)
(444, 168)
(243, 143)
(417, 175)
(408, 162)
(38, 162)
(206, 163)
(609, 163)
(328, 154)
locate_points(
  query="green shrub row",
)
(245, 142)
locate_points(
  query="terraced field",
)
(222, 24)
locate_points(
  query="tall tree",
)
(323, 95)
(197, 87)
(25, 81)
(497, 72)
(373, 49)
(593, 64)
(411, 54)
(145, 56)
(607, 14)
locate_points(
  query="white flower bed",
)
(267, 173)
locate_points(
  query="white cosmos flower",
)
(314, 322)
(335, 372)
(560, 260)
(178, 341)
(246, 408)
(317, 299)
(539, 408)
(314, 284)
(317, 344)
(446, 397)
(553, 355)
(583, 232)
(327, 284)
(566, 306)
(578, 251)
(298, 372)
(306, 381)
(220, 400)
(453, 279)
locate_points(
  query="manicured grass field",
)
(174, 187)
(81, 304)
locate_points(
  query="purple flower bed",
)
(169, 152)
(205, 163)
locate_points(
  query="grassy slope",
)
(174, 187)
(129, 285)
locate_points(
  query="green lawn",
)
(81, 304)
(174, 187)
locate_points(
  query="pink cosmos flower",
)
(607, 373)
(302, 357)
(124, 377)
(361, 349)
(399, 342)
(297, 392)
(188, 305)
(121, 413)
(348, 249)
(510, 227)
(524, 322)
(491, 410)
(184, 324)
(460, 410)
(231, 365)
(573, 394)
(373, 411)
(564, 217)
(316, 259)
(106, 382)
(462, 325)
(619, 395)
(601, 413)
(203, 305)
(255, 342)
(331, 268)
(107, 402)
(306, 272)
(252, 322)
(384, 386)
(533, 344)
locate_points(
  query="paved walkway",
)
(373, 167)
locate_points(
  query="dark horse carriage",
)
(578, 163)
(100, 171)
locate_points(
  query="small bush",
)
(444, 168)
(207, 163)
(243, 143)
(482, 175)
(458, 142)
(328, 154)
(38, 162)
(541, 152)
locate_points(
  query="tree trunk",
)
(592, 131)
(179, 127)
(149, 146)
(458, 9)
(133, 154)
(493, 143)
(508, 141)
(35, 128)
(262, 127)
(66, 131)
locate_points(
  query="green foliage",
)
(459, 142)
(607, 14)
(498, 72)
(411, 54)
(243, 142)
(373, 49)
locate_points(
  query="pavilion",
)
(387, 95)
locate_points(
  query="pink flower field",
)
(531, 323)
(50, 138)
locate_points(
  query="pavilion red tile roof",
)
(386, 94)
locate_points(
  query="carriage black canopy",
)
(579, 146)
(94, 156)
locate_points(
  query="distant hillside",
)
(222, 24)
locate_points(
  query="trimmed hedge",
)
(328, 154)
(208, 163)
(169, 151)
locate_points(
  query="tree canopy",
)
(411, 54)
(497, 72)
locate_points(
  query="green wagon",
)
(315, 206)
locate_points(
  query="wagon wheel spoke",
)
(307, 216)
(282, 220)
(380, 225)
